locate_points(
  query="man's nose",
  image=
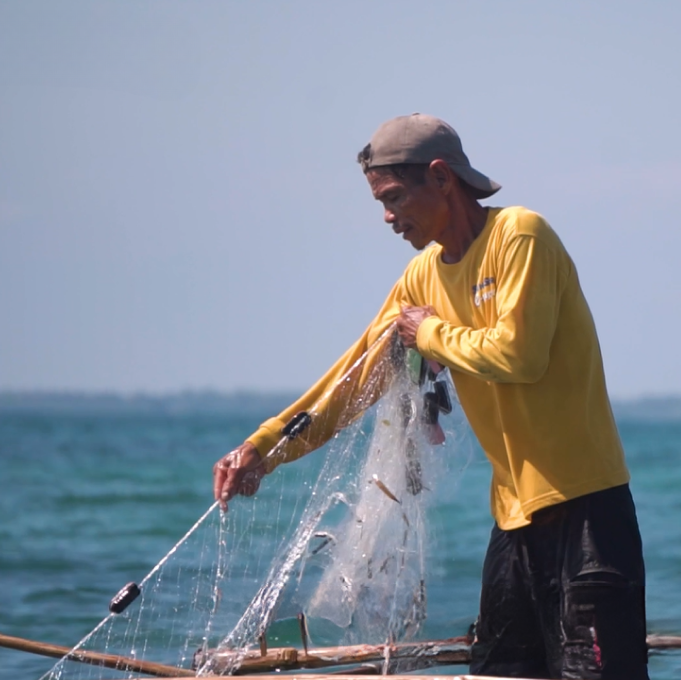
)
(389, 216)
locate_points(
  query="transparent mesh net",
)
(336, 543)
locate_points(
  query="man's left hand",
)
(239, 472)
(408, 323)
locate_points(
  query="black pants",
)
(564, 597)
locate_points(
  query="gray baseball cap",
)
(420, 139)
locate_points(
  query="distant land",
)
(245, 403)
(239, 403)
(648, 408)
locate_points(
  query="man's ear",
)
(442, 174)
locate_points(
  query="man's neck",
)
(466, 226)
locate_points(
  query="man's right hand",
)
(239, 472)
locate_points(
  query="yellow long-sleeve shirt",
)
(515, 331)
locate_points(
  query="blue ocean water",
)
(91, 501)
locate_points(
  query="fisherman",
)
(496, 299)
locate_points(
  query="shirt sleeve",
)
(530, 281)
(350, 386)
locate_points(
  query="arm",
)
(350, 386)
(531, 279)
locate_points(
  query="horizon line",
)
(224, 392)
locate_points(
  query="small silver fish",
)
(327, 538)
(385, 489)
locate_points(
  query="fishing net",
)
(331, 551)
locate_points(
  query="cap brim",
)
(482, 186)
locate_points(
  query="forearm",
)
(493, 354)
(355, 382)
(521, 317)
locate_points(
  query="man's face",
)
(417, 211)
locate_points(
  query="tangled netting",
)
(333, 548)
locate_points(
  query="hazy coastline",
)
(243, 402)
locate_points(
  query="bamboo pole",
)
(417, 654)
(662, 642)
(113, 661)
(328, 676)
(451, 651)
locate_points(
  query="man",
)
(497, 301)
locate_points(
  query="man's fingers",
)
(219, 475)
(250, 483)
(232, 482)
(409, 320)
(240, 471)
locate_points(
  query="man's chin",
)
(414, 241)
(417, 245)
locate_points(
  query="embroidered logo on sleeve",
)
(485, 290)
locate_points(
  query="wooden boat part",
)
(113, 661)
(662, 642)
(330, 676)
(415, 654)
(450, 651)
(407, 656)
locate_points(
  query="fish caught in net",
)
(333, 550)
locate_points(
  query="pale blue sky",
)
(179, 201)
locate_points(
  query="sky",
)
(180, 206)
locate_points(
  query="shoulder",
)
(517, 222)
(419, 270)
(424, 261)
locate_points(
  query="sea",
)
(95, 490)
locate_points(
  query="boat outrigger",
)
(357, 660)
